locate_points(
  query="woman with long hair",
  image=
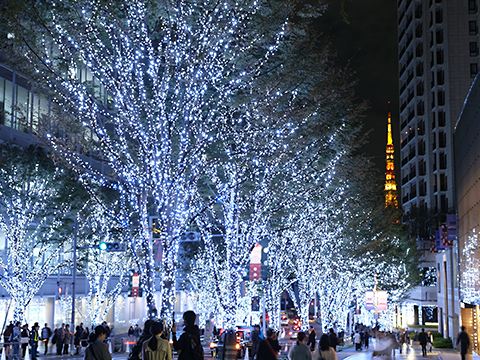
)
(324, 349)
(97, 349)
(300, 350)
(156, 348)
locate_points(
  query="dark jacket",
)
(311, 338)
(268, 349)
(184, 344)
(464, 341)
(333, 340)
(423, 338)
(100, 351)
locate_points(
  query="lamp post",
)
(74, 279)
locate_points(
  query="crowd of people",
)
(16, 339)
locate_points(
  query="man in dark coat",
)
(256, 338)
(269, 348)
(464, 341)
(333, 339)
(184, 345)
(423, 340)
(311, 338)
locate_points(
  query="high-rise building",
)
(438, 60)
(390, 183)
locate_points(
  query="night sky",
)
(368, 45)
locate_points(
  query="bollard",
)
(27, 353)
(246, 354)
(4, 356)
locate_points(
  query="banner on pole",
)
(381, 300)
(369, 300)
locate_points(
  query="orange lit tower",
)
(390, 184)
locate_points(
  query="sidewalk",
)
(412, 352)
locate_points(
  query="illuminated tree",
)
(100, 266)
(35, 199)
(154, 85)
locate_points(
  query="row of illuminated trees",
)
(223, 117)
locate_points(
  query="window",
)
(473, 48)
(421, 166)
(422, 188)
(440, 77)
(439, 16)
(443, 185)
(472, 6)
(441, 98)
(439, 36)
(473, 70)
(443, 161)
(441, 118)
(472, 28)
(439, 57)
(442, 139)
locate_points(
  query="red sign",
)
(135, 285)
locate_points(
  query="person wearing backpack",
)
(188, 345)
(97, 349)
(156, 348)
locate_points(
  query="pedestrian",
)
(85, 335)
(333, 339)
(255, 340)
(7, 339)
(189, 340)
(311, 338)
(77, 340)
(34, 341)
(135, 353)
(367, 339)
(137, 332)
(16, 336)
(130, 331)
(464, 340)
(401, 340)
(104, 324)
(423, 340)
(324, 350)
(97, 349)
(156, 348)
(268, 348)
(67, 339)
(358, 341)
(46, 333)
(300, 351)
(60, 333)
(25, 339)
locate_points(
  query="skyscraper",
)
(438, 60)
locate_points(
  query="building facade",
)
(438, 60)
(467, 175)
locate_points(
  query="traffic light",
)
(59, 292)
(107, 246)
